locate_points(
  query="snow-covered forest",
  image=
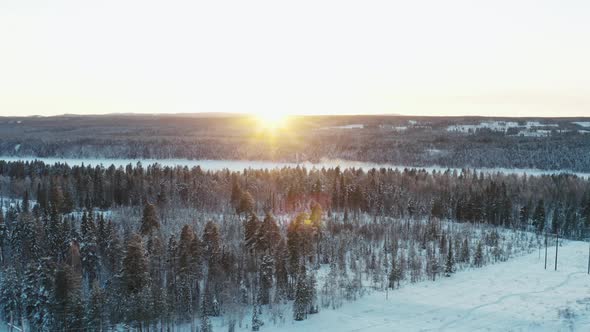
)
(156, 248)
(525, 143)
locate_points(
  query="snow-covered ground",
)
(240, 165)
(518, 295)
(350, 126)
(583, 124)
(530, 128)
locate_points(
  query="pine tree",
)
(11, 304)
(256, 321)
(465, 252)
(450, 264)
(250, 231)
(66, 299)
(206, 324)
(281, 273)
(478, 258)
(395, 274)
(266, 278)
(211, 241)
(236, 193)
(312, 307)
(149, 222)
(113, 247)
(89, 247)
(300, 306)
(36, 295)
(246, 204)
(3, 237)
(134, 274)
(101, 235)
(95, 309)
(25, 202)
(539, 216)
(268, 234)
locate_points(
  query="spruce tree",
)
(256, 321)
(149, 222)
(11, 304)
(300, 306)
(450, 264)
(206, 324)
(266, 279)
(89, 248)
(134, 273)
(539, 216)
(246, 204)
(478, 257)
(95, 309)
(465, 252)
(250, 230)
(3, 237)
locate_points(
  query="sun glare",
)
(274, 120)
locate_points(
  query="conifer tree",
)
(281, 273)
(11, 305)
(478, 257)
(268, 234)
(246, 204)
(300, 306)
(25, 202)
(256, 321)
(134, 273)
(206, 324)
(66, 299)
(250, 230)
(465, 252)
(266, 279)
(3, 237)
(450, 264)
(95, 310)
(89, 248)
(149, 222)
(539, 216)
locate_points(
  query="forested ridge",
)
(398, 140)
(151, 247)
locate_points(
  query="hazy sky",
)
(498, 58)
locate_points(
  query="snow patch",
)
(503, 126)
(240, 165)
(350, 126)
(585, 124)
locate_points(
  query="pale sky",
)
(452, 57)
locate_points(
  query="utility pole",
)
(589, 258)
(545, 250)
(556, 246)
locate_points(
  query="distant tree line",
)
(560, 203)
(427, 143)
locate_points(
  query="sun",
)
(271, 120)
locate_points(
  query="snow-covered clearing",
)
(350, 126)
(583, 124)
(518, 295)
(531, 128)
(240, 165)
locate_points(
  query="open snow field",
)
(240, 165)
(518, 295)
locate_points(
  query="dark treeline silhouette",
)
(93, 248)
(560, 201)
